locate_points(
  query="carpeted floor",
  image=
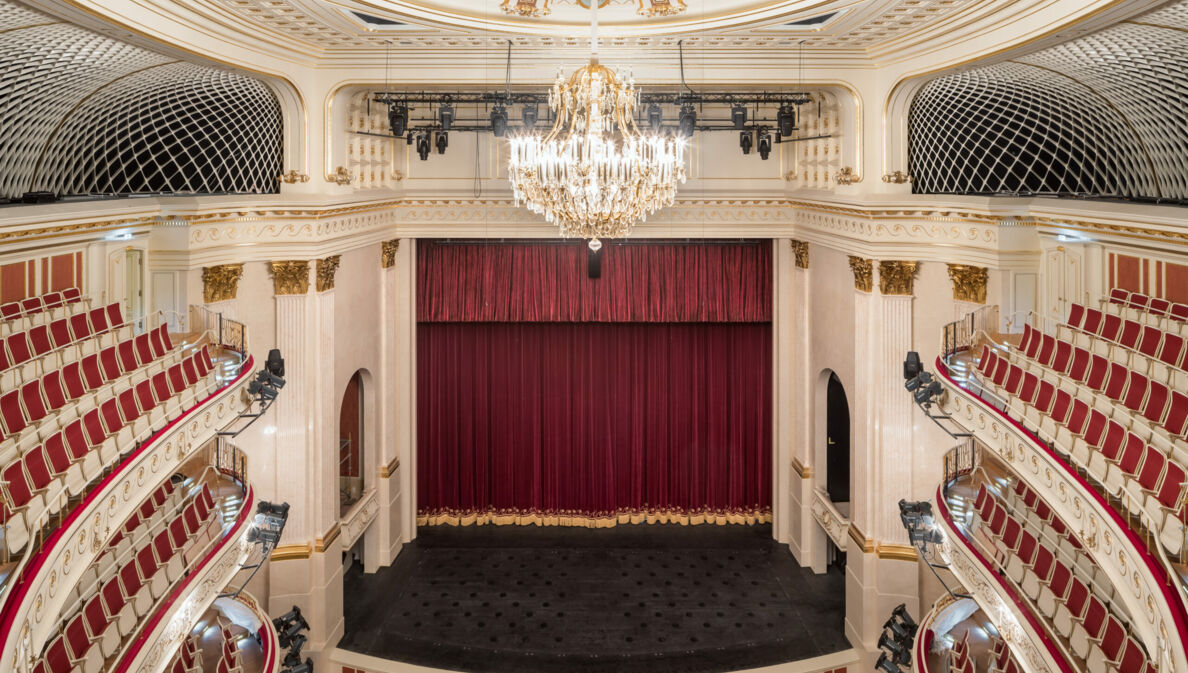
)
(632, 598)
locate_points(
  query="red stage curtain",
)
(547, 282)
(593, 424)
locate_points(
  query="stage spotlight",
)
(898, 652)
(786, 119)
(900, 612)
(499, 120)
(925, 394)
(655, 116)
(275, 364)
(289, 616)
(267, 526)
(745, 140)
(764, 143)
(423, 146)
(528, 116)
(921, 379)
(398, 119)
(912, 365)
(269, 379)
(306, 667)
(445, 115)
(257, 389)
(738, 116)
(443, 141)
(687, 122)
(295, 644)
(886, 665)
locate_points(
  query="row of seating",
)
(1150, 309)
(1150, 350)
(35, 484)
(961, 660)
(190, 658)
(30, 306)
(129, 595)
(1107, 448)
(1095, 635)
(26, 348)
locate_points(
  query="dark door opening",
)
(837, 439)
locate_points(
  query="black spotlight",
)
(655, 116)
(275, 364)
(764, 142)
(885, 665)
(445, 114)
(499, 120)
(442, 141)
(738, 116)
(687, 120)
(423, 146)
(921, 379)
(746, 140)
(398, 119)
(786, 119)
(912, 365)
(528, 116)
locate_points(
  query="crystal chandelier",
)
(595, 174)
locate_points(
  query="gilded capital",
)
(324, 270)
(896, 277)
(969, 282)
(862, 273)
(290, 277)
(388, 253)
(800, 249)
(220, 283)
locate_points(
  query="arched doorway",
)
(837, 442)
(351, 444)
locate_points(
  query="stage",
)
(632, 598)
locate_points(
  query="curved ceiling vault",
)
(87, 114)
(1099, 116)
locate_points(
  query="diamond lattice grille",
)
(1103, 115)
(86, 114)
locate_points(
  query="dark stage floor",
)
(632, 598)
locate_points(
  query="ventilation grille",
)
(86, 114)
(1105, 115)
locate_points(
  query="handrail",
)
(964, 458)
(73, 344)
(231, 334)
(958, 335)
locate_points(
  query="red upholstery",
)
(1131, 332)
(60, 333)
(1115, 385)
(1149, 344)
(1136, 391)
(1076, 315)
(1111, 325)
(1155, 407)
(1093, 320)
(144, 349)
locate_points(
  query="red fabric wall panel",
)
(12, 282)
(547, 282)
(1177, 283)
(61, 274)
(1128, 277)
(593, 420)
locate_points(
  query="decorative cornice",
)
(290, 277)
(800, 249)
(897, 277)
(862, 274)
(291, 552)
(324, 541)
(220, 283)
(388, 253)
(390, 469)
(895, 552)
(864, 543)
(969, 282)
(324, 270)
(802, 470)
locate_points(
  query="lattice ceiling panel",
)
(83, 113)
(1103, 115)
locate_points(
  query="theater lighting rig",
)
(264, 388)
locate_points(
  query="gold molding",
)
(804, 471)
(897, 178)
(897, 277)
(291, 552)
(864, 543)
(220, 283)
(292, 177)
(341, 176)
(324, 270)
(290, 277)
(324, 541)
(969, 282)
(862, 273)
(847, 176)
(390, 469)
(896, 552)
(801, 250)
(388, 253)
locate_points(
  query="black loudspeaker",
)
(38, 197)
(911, 366)
(594, 263)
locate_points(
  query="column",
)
(385, 538)
(784, 418)
(801, 527)
(405, 368)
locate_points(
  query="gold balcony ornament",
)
(220, 283)
(862, 269)
(531, 8)
(847, 176)
(652, 8)
(595, 174)
(897, 278)
(340, 176)
(897, 178)
(969, 282)
(293, 177)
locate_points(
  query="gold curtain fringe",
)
(496, 518)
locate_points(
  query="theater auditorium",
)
(594, 336)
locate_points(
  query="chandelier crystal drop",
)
(595, 174)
